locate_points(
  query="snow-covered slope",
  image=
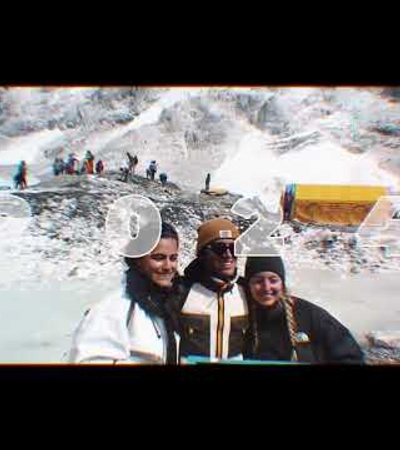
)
(244, 136)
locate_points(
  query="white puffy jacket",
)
(107, 335)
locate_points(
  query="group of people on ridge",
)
(128, 169)
(61, 167)
(152, 170)
(162, 317)
(71, 165)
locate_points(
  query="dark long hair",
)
(153, 299)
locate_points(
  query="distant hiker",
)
(24, 183)
(72, 165)
(163, 178)
(288, 201)
(88, 163)
(58, 166)
(151, 170)
(287, 328)
(69, 165)
(124, 169)
(61, 165)
(208, 179)
(99, 167)
(20, 177)
(132, 163)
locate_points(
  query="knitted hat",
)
(256, 264)
(214, 229)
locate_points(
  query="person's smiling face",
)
(219, 257)
(266, 288)
(161, 264)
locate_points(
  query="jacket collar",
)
(196, 272)
(140, 289)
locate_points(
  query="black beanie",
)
(256, 264)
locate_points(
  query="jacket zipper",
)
(220, 325)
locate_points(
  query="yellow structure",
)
(346, 205)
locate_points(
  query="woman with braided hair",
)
(287, 328)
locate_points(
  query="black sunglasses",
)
(220, 248)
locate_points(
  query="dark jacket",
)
(321, 338)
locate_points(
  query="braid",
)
(253, 343)
(253, 328)
(291, 322)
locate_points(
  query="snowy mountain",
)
(251, 140)
(244, 136)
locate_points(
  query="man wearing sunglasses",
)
(213, 317)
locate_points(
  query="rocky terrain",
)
(66, 237)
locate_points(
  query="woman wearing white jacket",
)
(137, 326)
